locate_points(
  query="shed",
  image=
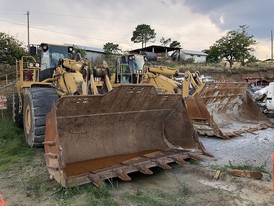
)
(197, 56)
(155, 49)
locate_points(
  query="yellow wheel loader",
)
(91, 131)
(223, 110)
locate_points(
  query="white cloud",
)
(263, 49)
(222, 21)
(96, 22)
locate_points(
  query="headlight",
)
(37, 65)
(70, 50)
(31, 65)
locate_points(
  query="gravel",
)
(249, 149)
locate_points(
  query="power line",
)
(105, 19)
(53, 31)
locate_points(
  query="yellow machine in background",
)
(205, 102)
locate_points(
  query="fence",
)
(3, 104)
(7, 79)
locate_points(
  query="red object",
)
(273, 170)
(2, 202)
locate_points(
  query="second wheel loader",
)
(223, 110)
(91, 131)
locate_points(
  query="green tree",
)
(143, 33)
(175, 44)
(164, 41)
(213, 54)
(251, 59)
(111, 48)
(176, 53)
(10, 49)
(236, 45)
(79, 53)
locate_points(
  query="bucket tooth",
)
(195, 157)
(96, 180)
(179, 159)
(204, 151)
(229, 135)
(270, 125)
(122, 175)
(239, 133)
(262, 126)
(144, 170)
(251, 131)
(162, 164)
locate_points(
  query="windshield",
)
(50, 58)
(139, 62)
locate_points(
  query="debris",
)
(246, 173)
(217, 175)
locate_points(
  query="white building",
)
(197, 56)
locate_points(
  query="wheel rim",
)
(28, 120)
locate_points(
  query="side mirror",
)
(32, 50)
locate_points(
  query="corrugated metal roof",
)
(156, 48)
(87, 48)
(193, 52)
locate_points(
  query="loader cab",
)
(129, 69)
(48, 56)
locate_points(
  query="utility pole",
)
(28, 30)
(271, 46)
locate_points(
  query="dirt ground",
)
(27, 183)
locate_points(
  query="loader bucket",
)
(232, 109)
(202, 121)
(131, 128)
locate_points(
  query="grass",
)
(13, 148)
(14, 154)
(159, 198)
(93, 196)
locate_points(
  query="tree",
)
(175, 54)
(235, 46)
(111, 48)
(143, 33)
(213, 54)
(10, 49)
(79, 53)
(164, 41)
(175, 44)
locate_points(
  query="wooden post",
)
(6, 79)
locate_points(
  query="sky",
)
(196, 24)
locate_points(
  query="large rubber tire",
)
(16, 116)
(37, 103)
